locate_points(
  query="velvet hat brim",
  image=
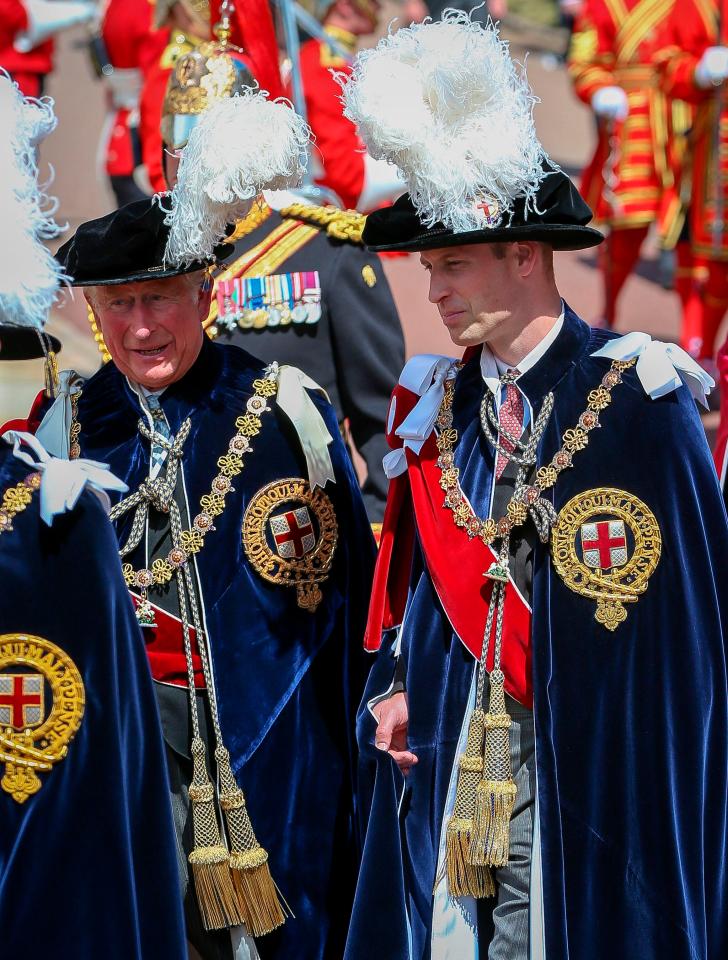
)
(559, 219)
(125, 246)
(24, 343)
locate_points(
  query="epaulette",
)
(339, 224)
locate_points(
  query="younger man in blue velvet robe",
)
(248, 552)
(554, 556)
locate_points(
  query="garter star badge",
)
(606, 545)
(42, 702)
(290, 535)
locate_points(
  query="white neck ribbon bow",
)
(424, 375)
(63, 481)
(310, 427)
(661, 367)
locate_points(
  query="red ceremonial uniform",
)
(612, 46)
(691, 29)
(703, 194)
(13, 19)
(339, 158)
(132, 47)
(27, 69)
(338, 153)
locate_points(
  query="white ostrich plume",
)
(240, 146)
(448, 106)
(29, 275)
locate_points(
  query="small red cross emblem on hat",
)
(21, 700)
(489, 210)
(604, 544)
(293, 533)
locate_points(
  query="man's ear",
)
(526, 257)
(204, 297)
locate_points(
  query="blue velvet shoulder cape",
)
(288, 681)
(87, 864)
(631, 726)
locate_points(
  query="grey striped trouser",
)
(511, 912)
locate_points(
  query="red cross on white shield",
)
(21, 700)
(293, 533)
(604, 544)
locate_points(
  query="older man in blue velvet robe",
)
(247, 550)
(554, 559)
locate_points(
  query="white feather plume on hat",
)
(448, 106)
(29, 275)
(240, 146)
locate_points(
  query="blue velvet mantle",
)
(87, 864)
(288, 681)
(631, 726)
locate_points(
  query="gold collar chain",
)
(212, 504)
(574, 440)
(16, 499)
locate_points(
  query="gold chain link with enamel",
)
(16, 499)
(212, 504)
(574, 440)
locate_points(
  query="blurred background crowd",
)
(631, 105)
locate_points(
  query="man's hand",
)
(610, 103)
(391, 735)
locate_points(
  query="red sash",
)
(165, 649)
(455, 563)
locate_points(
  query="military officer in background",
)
(188, 24)
(300, 288)
(87, 851)
(27, 37)
(692, 64)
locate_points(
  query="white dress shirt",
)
(492, 367)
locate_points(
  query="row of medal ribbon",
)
(276, 300)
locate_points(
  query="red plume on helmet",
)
(253, 31)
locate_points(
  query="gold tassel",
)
(254, 887)
(496, 793)
(209, 859)
(463, 877)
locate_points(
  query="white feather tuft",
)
(448, 106)
(240, 146)
(29, 275)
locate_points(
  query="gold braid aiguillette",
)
(463, 877)
(495, 796)
(251, 877)
(210, 861)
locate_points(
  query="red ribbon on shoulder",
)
(31, 423)
(455, 563)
